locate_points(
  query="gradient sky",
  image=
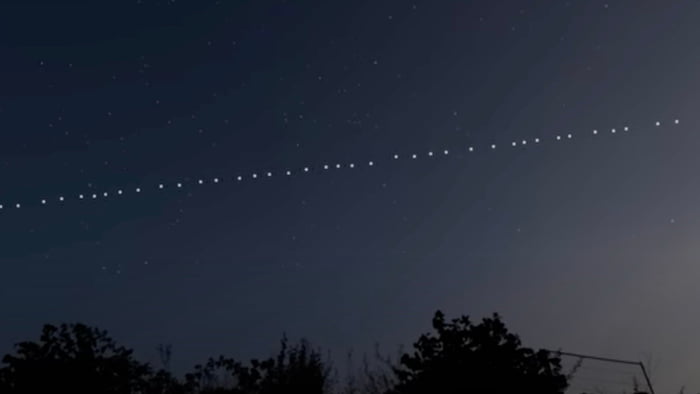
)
(589, 244)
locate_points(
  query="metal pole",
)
(644, 371)
(610, 360)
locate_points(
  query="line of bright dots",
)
(370, 163)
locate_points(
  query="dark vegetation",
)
(458, 357)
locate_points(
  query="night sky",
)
(581, 240)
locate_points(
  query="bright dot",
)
(105, 194)
(524, 142)
(371, 163)
(216, 180)
(80, 196)
(325, 166)
(493, 146)
(396, 156)
(94, 196)
(676, 121)
(201, 181)
(1, 206)
(430, 153)
(240, 178)
(352, 165)
(337, 166)
(306, 169)
(471, 149)
(414, 156)
(179, 184)
(60, 198)
(613, 131)
(43, 202)
(290, 173)
(558, 138)
(269, 174)
(160, 186)
(119, 192)
(658, 123)
(595, 131)
(568, 136)
(514, 143)
(537, 140)
(255, 175)
(138, 190)
(626, 128)
(18, 206)
(446, 152)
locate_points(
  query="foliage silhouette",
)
(79, 359)
(72, 359)
(375, 378)
(298, 369)
(459, 357)
(483, 358)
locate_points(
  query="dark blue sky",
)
(588, 243)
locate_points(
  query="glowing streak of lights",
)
(307, 169)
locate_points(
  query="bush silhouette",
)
(297, 369)
(482, 358)
(459, 357)
(72, 359)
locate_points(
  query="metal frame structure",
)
(610, 360)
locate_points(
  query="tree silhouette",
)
(459, 357)
(483, 358)
(78, 359)
(72, 359)
(373, 376)
(297, 369)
